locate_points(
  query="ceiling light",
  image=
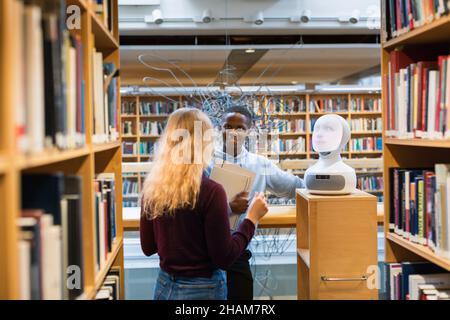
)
(250, 50)
(157, 16)
(207, 16)
(259, 20)
(306, 16)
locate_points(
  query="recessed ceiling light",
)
(294, 82)
(250, 51)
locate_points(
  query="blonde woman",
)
(184, 214)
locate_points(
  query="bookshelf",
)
(85, 161)
(133, 118)
(423, 43)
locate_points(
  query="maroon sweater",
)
(195, 242)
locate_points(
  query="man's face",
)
(234, 131)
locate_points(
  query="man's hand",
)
(239, 203)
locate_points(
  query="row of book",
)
(369, 183)
(152, 128)
(130, 203)
(49, 72)
(157, 107)
(51, 237)
(127, 128)
(366, 144)
(110, 289)
(282, 145)
(105, 216)
(334, 104)
(420, 206)
(366, 124)
(130, 187)
(127, 107)
(414, 281)
(365, 104)
(105, 103)
(288, 126)
(418, 97)
(279, 105)
(134, 148)
(406, 15)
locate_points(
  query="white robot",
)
(330, 175)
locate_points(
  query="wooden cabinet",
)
(336, 246)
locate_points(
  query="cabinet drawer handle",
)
(363, 278)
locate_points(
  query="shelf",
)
(367, 152)
(420, 250)
(364, 133)
(128, 116)
(304, 255)
(49, 157)
(288, 134)
(156, 116)
(104, 40)
(365, 113)
(129, 136)
(435, 32)
(287, 114)
(418, 142)
(106, 146)
(340, 113)
(150, 136)
(129, 156)
(101, 275)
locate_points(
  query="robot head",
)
(331, 133)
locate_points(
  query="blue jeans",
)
(180, 288)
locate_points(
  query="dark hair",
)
(241, 110)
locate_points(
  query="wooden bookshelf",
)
(135, 117)
(411, 153)
(86, 162)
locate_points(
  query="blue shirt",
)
(269, 177)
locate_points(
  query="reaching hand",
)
(258, 208)
(239, 203)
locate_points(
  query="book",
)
(419, 206)
(437, 280)
(234, 180)
(418, 101)
(61, 235)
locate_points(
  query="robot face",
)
(327, 135)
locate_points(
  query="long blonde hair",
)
(174, 181)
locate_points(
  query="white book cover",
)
(407, 204)
(101, 231)
(51, 259)
(24, 248)
(432, 95)
(71, 94)
(34, 78)
(394, 269)
(99, 120)
(64, 246)
(234, 180)
(437, 280)
(442, 172)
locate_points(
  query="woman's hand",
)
(258, 208)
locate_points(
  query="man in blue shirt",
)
(236, 123)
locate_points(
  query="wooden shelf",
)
(49, 157)
(128, 116)
(149, 136)
(365, 133)
(365, 113)
(433, 33)
(340, 113)
(420, 250)
(129, 136)
(157, 116)
(101, 275)
(106, 146)
(104, 40)
(418, 142)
